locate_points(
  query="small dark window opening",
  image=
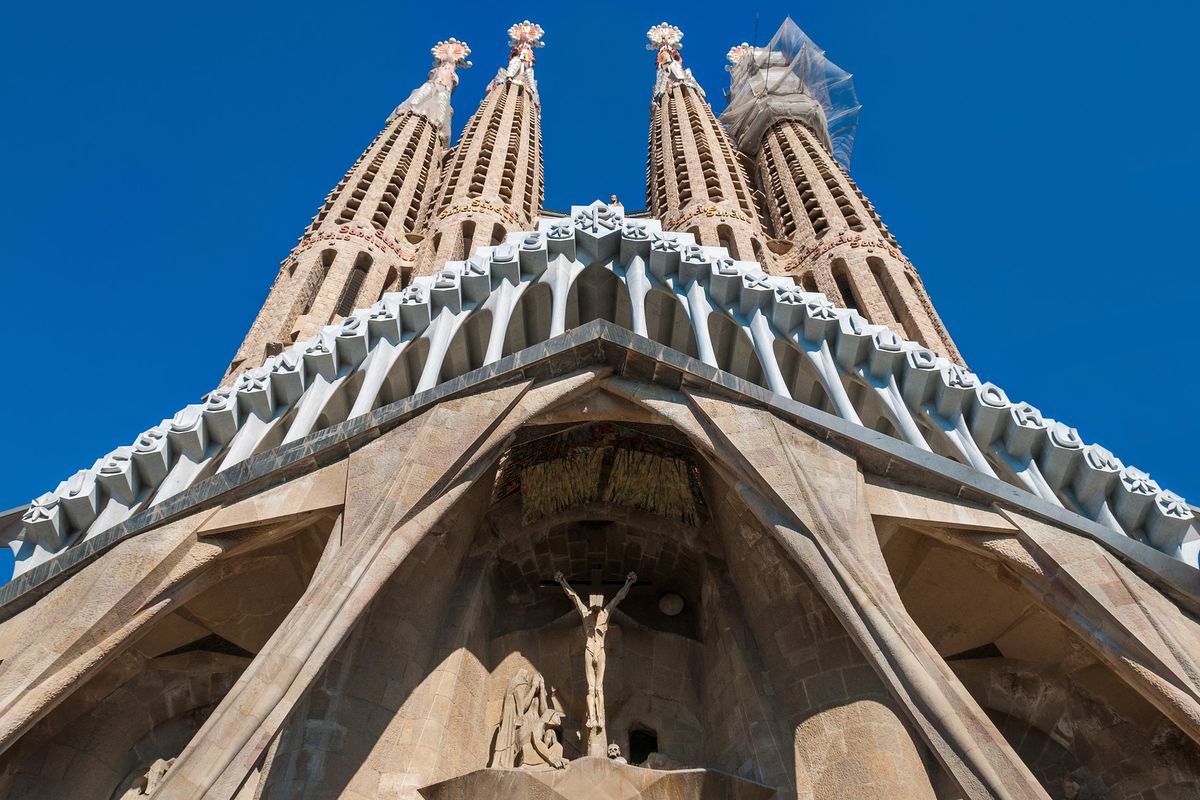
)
(642, 743)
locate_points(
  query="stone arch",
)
(100, 743)
(734, 350)
(597, 293)
(405, 373)
(530, 320)
(1063, 711)
(800, 377)
(668, 322)
(468, 347)
(155, 691)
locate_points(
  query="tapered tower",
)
(694, 179)
(494, 183)
(793, 111)
(365, 237)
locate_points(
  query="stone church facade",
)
(695, 502)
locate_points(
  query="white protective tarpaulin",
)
(790, 78)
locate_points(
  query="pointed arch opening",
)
(354, 283)
(530, 320)
(845, 286)
(598, 294)
(468, 346)
(727, 240)
(468, 237)
(405, 373)
(734, 350)
(800, 377)
(667, 322)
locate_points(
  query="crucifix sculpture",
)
(595, 626)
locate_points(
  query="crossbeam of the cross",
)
(595, 584)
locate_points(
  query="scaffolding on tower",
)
(790, 78)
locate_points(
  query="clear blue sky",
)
(1035, 160)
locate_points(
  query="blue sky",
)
(1035, 160)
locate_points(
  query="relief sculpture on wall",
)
(527, 735)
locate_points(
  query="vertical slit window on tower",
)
(816, 154)
(725, 237)
(354, 284)
(891, 294)
(841, 277)
(468, 234)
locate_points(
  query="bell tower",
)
(793, 111)
(364, 238)
(493, 184)
(695, 180)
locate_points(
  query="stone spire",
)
(494, 183)
(694, 181)
(792, 110)
(362, 239)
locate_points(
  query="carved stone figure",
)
(539, 741)
(595, 627)
(526, 736)
(614, 753)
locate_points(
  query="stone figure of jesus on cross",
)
(595, 626)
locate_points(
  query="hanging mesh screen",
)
(790, 78)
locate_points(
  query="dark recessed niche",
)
(642, 742)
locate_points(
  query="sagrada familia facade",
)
(694, 502)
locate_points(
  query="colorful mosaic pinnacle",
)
(664, 35)
(451, 51)
(526, 32)
(737, 52)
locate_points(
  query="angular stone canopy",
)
(598, 264)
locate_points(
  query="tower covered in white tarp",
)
(791, 78)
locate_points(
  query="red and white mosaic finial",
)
(664, 35)
(451, 51)
(737, 52)
(527, 33)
